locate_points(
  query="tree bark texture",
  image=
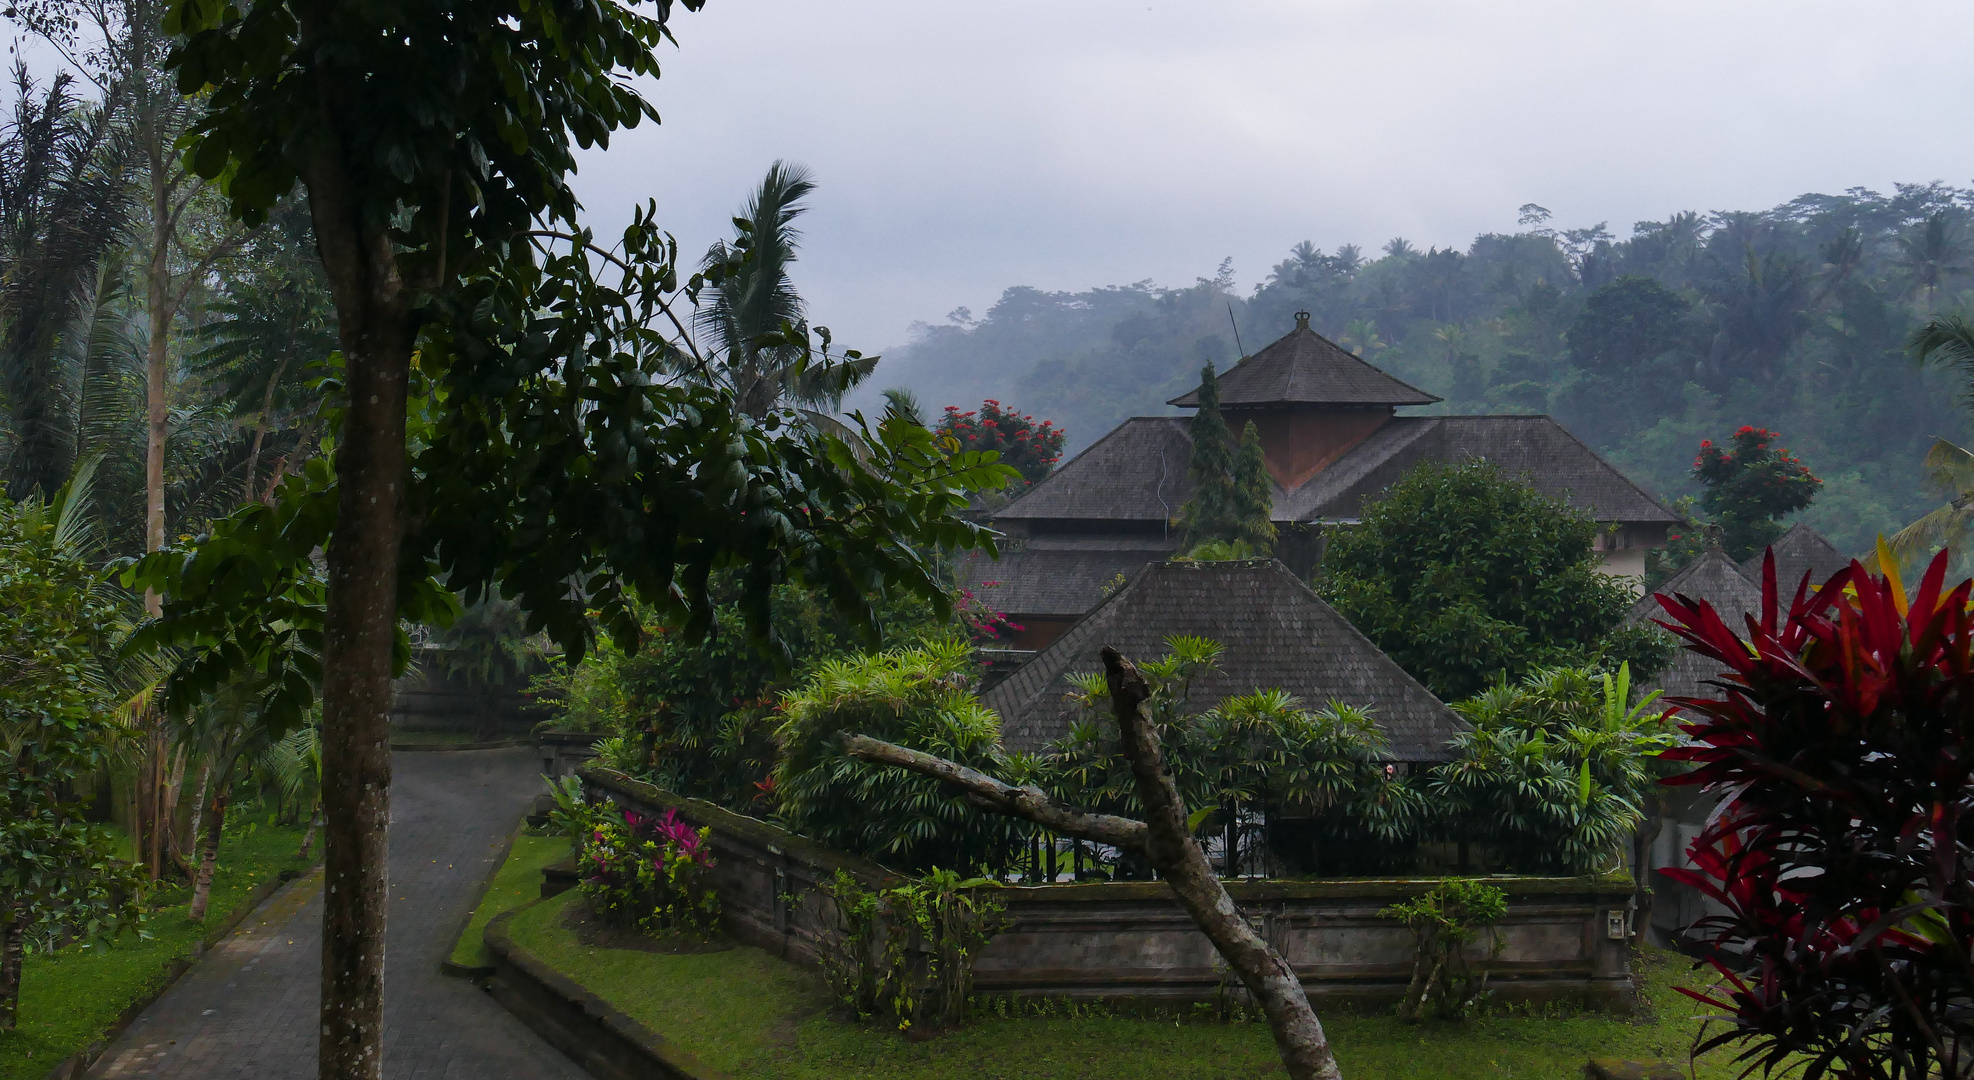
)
(209, 855)
(1027, 802)
(13, 939)
(1269, 979)
(376, 332)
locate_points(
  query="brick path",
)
(248, 1009)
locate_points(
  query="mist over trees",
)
(1793, 318)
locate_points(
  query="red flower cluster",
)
(1032, 448)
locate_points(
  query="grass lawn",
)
(69, 998)
(748, 1014)
(516, 882)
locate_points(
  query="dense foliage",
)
(919, 697)
(1552, 773)
(697, 716)
(58, 873)
(1792, 318)
(1840, 854)
(1031, 448)
(1462, 574)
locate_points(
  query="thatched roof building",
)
(1277, 632)
(1332, 439)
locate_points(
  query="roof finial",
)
(1302, 320)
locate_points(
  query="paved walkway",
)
(248, 1010)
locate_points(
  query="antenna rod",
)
(1237, 330)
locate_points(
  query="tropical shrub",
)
(1461, 573)
(1444, 921)
(645, 873)
(57, 720)
(908, 950)
(1314, 777)
(1841, 856)
(919, 697)
(697, 716)
(1553, 771)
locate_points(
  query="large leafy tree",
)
(549, 457)
(1749, 486)
(1463, 575)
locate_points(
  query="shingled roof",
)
(1138, 471)
(1042, 577)
(1536, 448)
(1278, 634)
(1135, 473)
(1306, 368)
(1799, 551)
(1712, 577)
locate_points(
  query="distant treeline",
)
(1793, 318)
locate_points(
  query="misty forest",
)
(1793, 318)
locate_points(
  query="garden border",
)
(461, 971)
(1566, 938)
(592, 1033)
(78, 1063)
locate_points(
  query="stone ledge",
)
(591, 1032)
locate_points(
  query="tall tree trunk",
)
(1169, 844)
(209, 857)
(376, 332)
(13, 939)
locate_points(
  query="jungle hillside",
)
(1793, 318)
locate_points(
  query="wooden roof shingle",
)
(1277, 632)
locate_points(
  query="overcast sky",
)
(966, 147)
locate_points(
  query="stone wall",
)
(1563, 938)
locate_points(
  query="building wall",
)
(1563, 938)
(1299, 443)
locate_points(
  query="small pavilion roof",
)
(1306, 368)
(1801, 550)
(1277, 633)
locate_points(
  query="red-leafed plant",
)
(1843, 737)
(1032, 448)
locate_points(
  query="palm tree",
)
(270, 324)
(757, 323)
(1932, 254)
(1946, 340)
(64, 207)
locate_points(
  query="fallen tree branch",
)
(1169, 846)
(1027, 802)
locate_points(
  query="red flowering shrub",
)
(1844, 738)
(1749, 486)
(1033, 449)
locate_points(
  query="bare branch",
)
(1028, 802)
